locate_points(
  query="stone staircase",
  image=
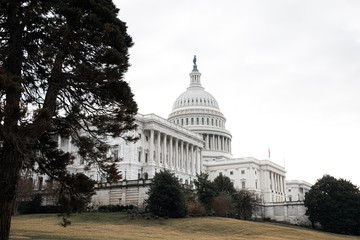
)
(132, 196)
(115, 195)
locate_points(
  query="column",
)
(222, 144)
(187, 156)
(198, 160)
(165, 163)
(151, 147)
(171, 161)
(213, 142)
(192, 160)
(229, 145)
(182, 156)
(176, 153)
(158, 148)
(207, 141)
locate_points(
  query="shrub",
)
(195, 207)
(223, 204)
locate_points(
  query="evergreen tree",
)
(61, 73)
(205, 190)
(224, 184)
(166, 197)
(335, 204)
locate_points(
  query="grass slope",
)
(104, 226)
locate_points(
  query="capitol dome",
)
(197, 110)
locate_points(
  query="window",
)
(116, 154)
(187, 121)
(64, 142)
(216, 122)
(290, 198)
(147, 138)
(139, 156)
(255, 172)
(202, 121)
(197, 121)
(146, 176)
(192, 121)
(207, 120)
(289, 190)
(255, 184)
(301, 190)
(177, 121)
(40, 183)
(212, 122)
(231, 172)
(146, 157)
(243, 185)
(182, 122)
(242, 171)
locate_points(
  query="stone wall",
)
(289, 212)
(132, 192)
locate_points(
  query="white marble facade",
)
(162, 145)
(296, 190)
(192, 140)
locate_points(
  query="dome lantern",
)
(195, 75)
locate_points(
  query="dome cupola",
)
(198, 110)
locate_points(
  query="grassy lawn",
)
(120, 226)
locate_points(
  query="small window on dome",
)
(192, 121)
(187, 121)
(207, 120)
(200, 100)
(188, 100)
(182, 122)
(192, 100)
(196, 100)
(197, 121)
(212, 122)
(202, 121)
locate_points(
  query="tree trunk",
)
(10, 165)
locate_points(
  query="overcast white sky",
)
(286, 74)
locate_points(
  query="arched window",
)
(207, 121)
(216, 122)
(197, 121)
(192, 121)
(212, 122)
(202, 121)
(187, 121)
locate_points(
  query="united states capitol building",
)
(191, 140)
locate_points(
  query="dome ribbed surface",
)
(195, 97)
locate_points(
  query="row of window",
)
(196, 101)
(199, 121)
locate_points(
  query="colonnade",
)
(277, 182)
(217, 142)
(174, 153)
